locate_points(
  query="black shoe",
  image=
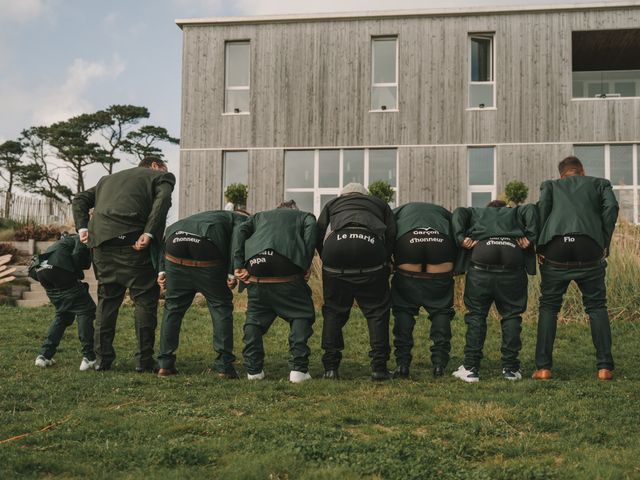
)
(438, 371)
(102, 367)
(402, 372)
(230, 374)
(148, 368)
(331, 374)
(381, 376)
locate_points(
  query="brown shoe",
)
(541, 374)
(605, 374)
(228, 375)
(167, 372)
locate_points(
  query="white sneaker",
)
(87, 364)
(44, 362)
(257, 376)
(511, 375)
(299, 377)
(471, 376)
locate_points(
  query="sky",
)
(60, 58)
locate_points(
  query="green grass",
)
(120, 424)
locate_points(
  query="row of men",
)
(360, 241)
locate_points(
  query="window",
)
(482, 175)
(481, 81)
(619, 164)
(606, 63)
(384, 73)
(235, 169)
(236, 79)
(314, 177)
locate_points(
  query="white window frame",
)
(227, 87)
(635, 188)
(483, 35)
(224, 165)
(319, 191)
(373, 84)
(492, 189)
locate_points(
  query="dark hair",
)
(570, 163)
(289, 204)
(147, 161)
(496, 204)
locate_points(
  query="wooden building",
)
(446, 105)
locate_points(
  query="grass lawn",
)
(120, 424)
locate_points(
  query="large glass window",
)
(481, 81)
(606, 63)
(314, 177)
(235, 169)
(237, 77)
(481, 175)
(619, 164)
(384, 73)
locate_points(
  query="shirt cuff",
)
(162, 273)
(148, 235)
(83, 230)
(231, 277)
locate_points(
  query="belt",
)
(569, 265)
(193, 263)
(496, 268)
(354, 271)
(425, 275)
(289, 278)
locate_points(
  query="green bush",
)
(382, 190)
(516, 192)
(237, 194)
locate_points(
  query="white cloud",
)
(69, 99)
(21, 10)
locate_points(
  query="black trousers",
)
(374, 299)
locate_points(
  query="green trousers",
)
(553, 285)
(69, 304)
(436, 296)
(118, 269)
(182, 285)
(290, 301)
(508, 290)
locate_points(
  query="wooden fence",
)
(39, 210)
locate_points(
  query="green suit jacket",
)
(580, 205)
(136, 199)
(291, 233)
(68, 253)
(482, 223)
(420, 214)
(216, 226)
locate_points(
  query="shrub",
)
(39, 233)
(382, 190)
(237, 194)
(516, 192)
(8, 249)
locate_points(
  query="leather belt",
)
(289, 278)
(353, 271)
(424, 275)
(569, 265)
(496, 268)
(193, 263)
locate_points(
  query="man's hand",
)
(142, 243)
(162, 280)
(231, 282)
(523, 242)
(242, 274)
(83, 233)
(469, 243)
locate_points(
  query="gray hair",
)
(354, 188)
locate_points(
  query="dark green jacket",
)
(68, 253)
(291, 233)
(421, 214)
(216, 226)
(483, 223)
(580, 205)
(136, 199)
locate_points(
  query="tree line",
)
(43, 159)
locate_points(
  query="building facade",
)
(447, 106)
